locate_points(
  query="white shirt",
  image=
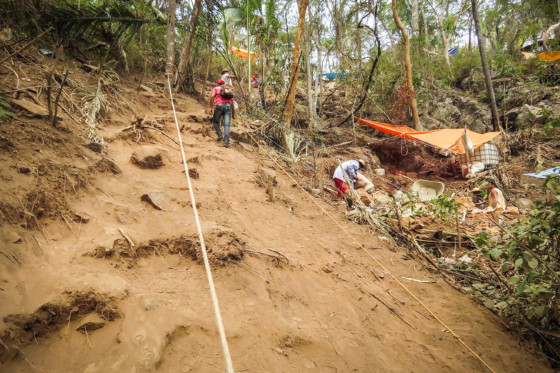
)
(351, 169)
(226, 78)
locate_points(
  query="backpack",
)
(227, 92)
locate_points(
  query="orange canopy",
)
(450, 139)
(549, 56)
(242, 53)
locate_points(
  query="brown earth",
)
(296, 293)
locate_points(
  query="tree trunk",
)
(445, 42)
(443, 17)
(307, 45)
(170, 39)
(485, 67)
(186, 54)
(407, 64)
(288, 111)
(470, 31)
(415, 17)
(425, 25)
(318, 81)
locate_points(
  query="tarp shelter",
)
(549, 56)
(450, 139)
(242, 53)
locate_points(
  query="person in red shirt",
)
(222, 108)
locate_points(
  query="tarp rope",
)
(403, 286)
(219, 321)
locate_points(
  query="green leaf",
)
(489, 304)
(533, 263)
(495, 253)
(540, 310)
(513, 280)
(519, 262)
(502, 305)
(521, 287)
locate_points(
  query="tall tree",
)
(485, 67)
(447, 23)
(408, 64)
(170, 39)
(288, 111)
(184, 61)
(307, 56)
(415, 18)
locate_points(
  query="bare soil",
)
(93, 278)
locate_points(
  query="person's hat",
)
(362, 163)
(225, 71)
(221, 82)
(476, 190)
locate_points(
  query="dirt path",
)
(315, 303)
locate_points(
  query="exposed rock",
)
(81, 217)
(147, 157)
(24, 170)
(95, 147)
(100, 252)
(530, 115)
(158, 200)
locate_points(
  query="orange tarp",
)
(550, 56)
(242, 53)
(450, 139)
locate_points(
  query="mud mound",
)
(22, 329)
(401, 155)
(223, 247)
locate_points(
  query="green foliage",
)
(504, 63)
(530, 261)
(114, 21)
(444, 207)
(4, 106)
(552, 128)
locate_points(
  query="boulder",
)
(147, 157)
(529, 115)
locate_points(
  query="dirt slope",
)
(296, 293)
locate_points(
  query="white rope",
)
(221, 329)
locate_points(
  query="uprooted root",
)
(22, 329)
(223, 247)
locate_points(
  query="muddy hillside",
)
(101, 268)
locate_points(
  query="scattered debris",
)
(147, 157)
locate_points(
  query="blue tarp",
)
(333, 76)
(545, 173)
(453, 51)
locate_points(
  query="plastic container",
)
(427, 190)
